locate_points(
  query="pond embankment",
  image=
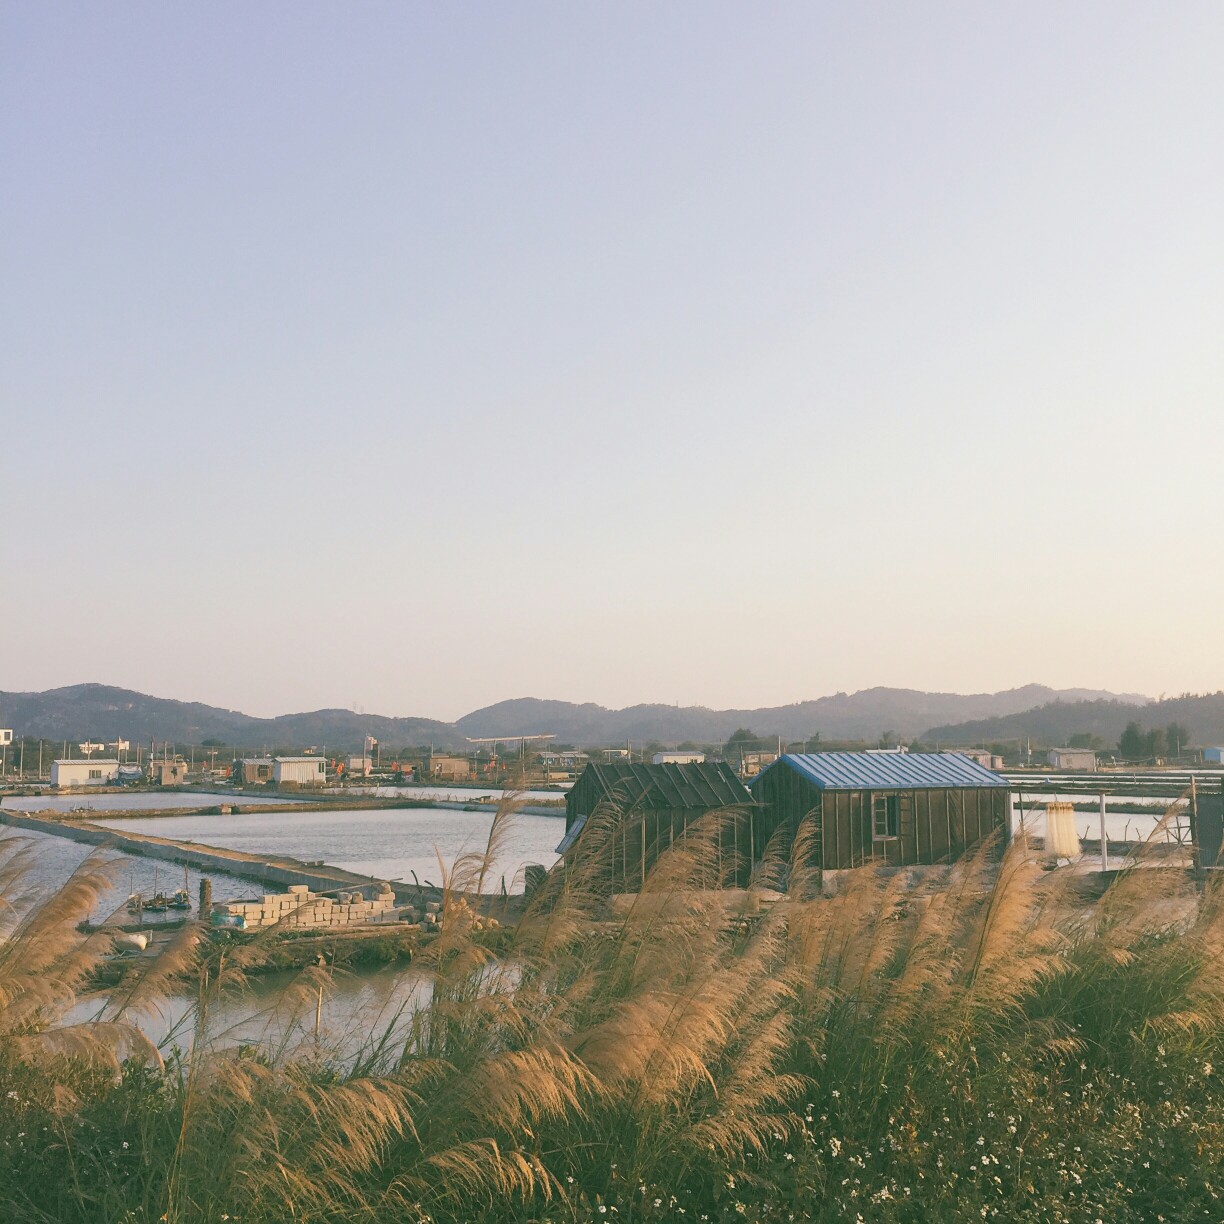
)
(278, 870)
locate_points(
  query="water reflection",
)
(362, 1015)
(389, 844)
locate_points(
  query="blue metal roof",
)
(886, 770)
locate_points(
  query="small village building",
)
(358, 766)
(654, 805)
(1071, 758)
(983, 756)
(751, 763)
(252, 771)
(678, 758)
(1213, 756)
(96, 772)
(168, 773)
(299, 771)
(564, 758)
(883, 808)
(452, 768)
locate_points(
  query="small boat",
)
(159, 902)
(181, 900)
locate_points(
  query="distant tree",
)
(1085, 739)
(1132, 744)
(1177, 736)
(746, 740)
(1154, 743)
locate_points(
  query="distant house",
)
(884, 808)
(678, 758)
(251, 771)
(168, 773)
(451, 768)
(751, 763)
(299, 771)
(1071, 758)
(983, 756)
(358, 766)
(96, 772)
(654, 805)
(564, 759)
(1213, 756)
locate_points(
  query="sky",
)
(410, 357)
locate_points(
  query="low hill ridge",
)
(105, 712)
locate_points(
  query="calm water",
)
(54, 859)
(358, 1009)
(1119, 826)
(454, 794)
(129, 802)
(390, 844)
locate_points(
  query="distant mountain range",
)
(101, 712)
(1056, 722)
(866, 714)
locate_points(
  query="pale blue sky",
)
(421, 356)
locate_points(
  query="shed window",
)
(883, 816)
(95, 774)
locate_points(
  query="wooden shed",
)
(886, 808)
(655, 804)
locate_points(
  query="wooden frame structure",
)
(884, 809)
(654, 806)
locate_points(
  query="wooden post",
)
(1194, 842)
(1104, 840)
(642, 883)
(205, 899)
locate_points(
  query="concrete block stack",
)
(300, 908)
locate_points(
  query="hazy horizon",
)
(408, 357)
(450, 718)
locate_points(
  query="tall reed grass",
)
(966, 1042)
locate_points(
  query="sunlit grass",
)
(966, 1042)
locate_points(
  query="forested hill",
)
(867, 714)
(1054, 723)
(100, 712)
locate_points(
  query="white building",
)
(983, 756)
(299, 771)
(97, 772)
(358, 766)
(678, 758)
(1071, 758)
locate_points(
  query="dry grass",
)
(721, 1053)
